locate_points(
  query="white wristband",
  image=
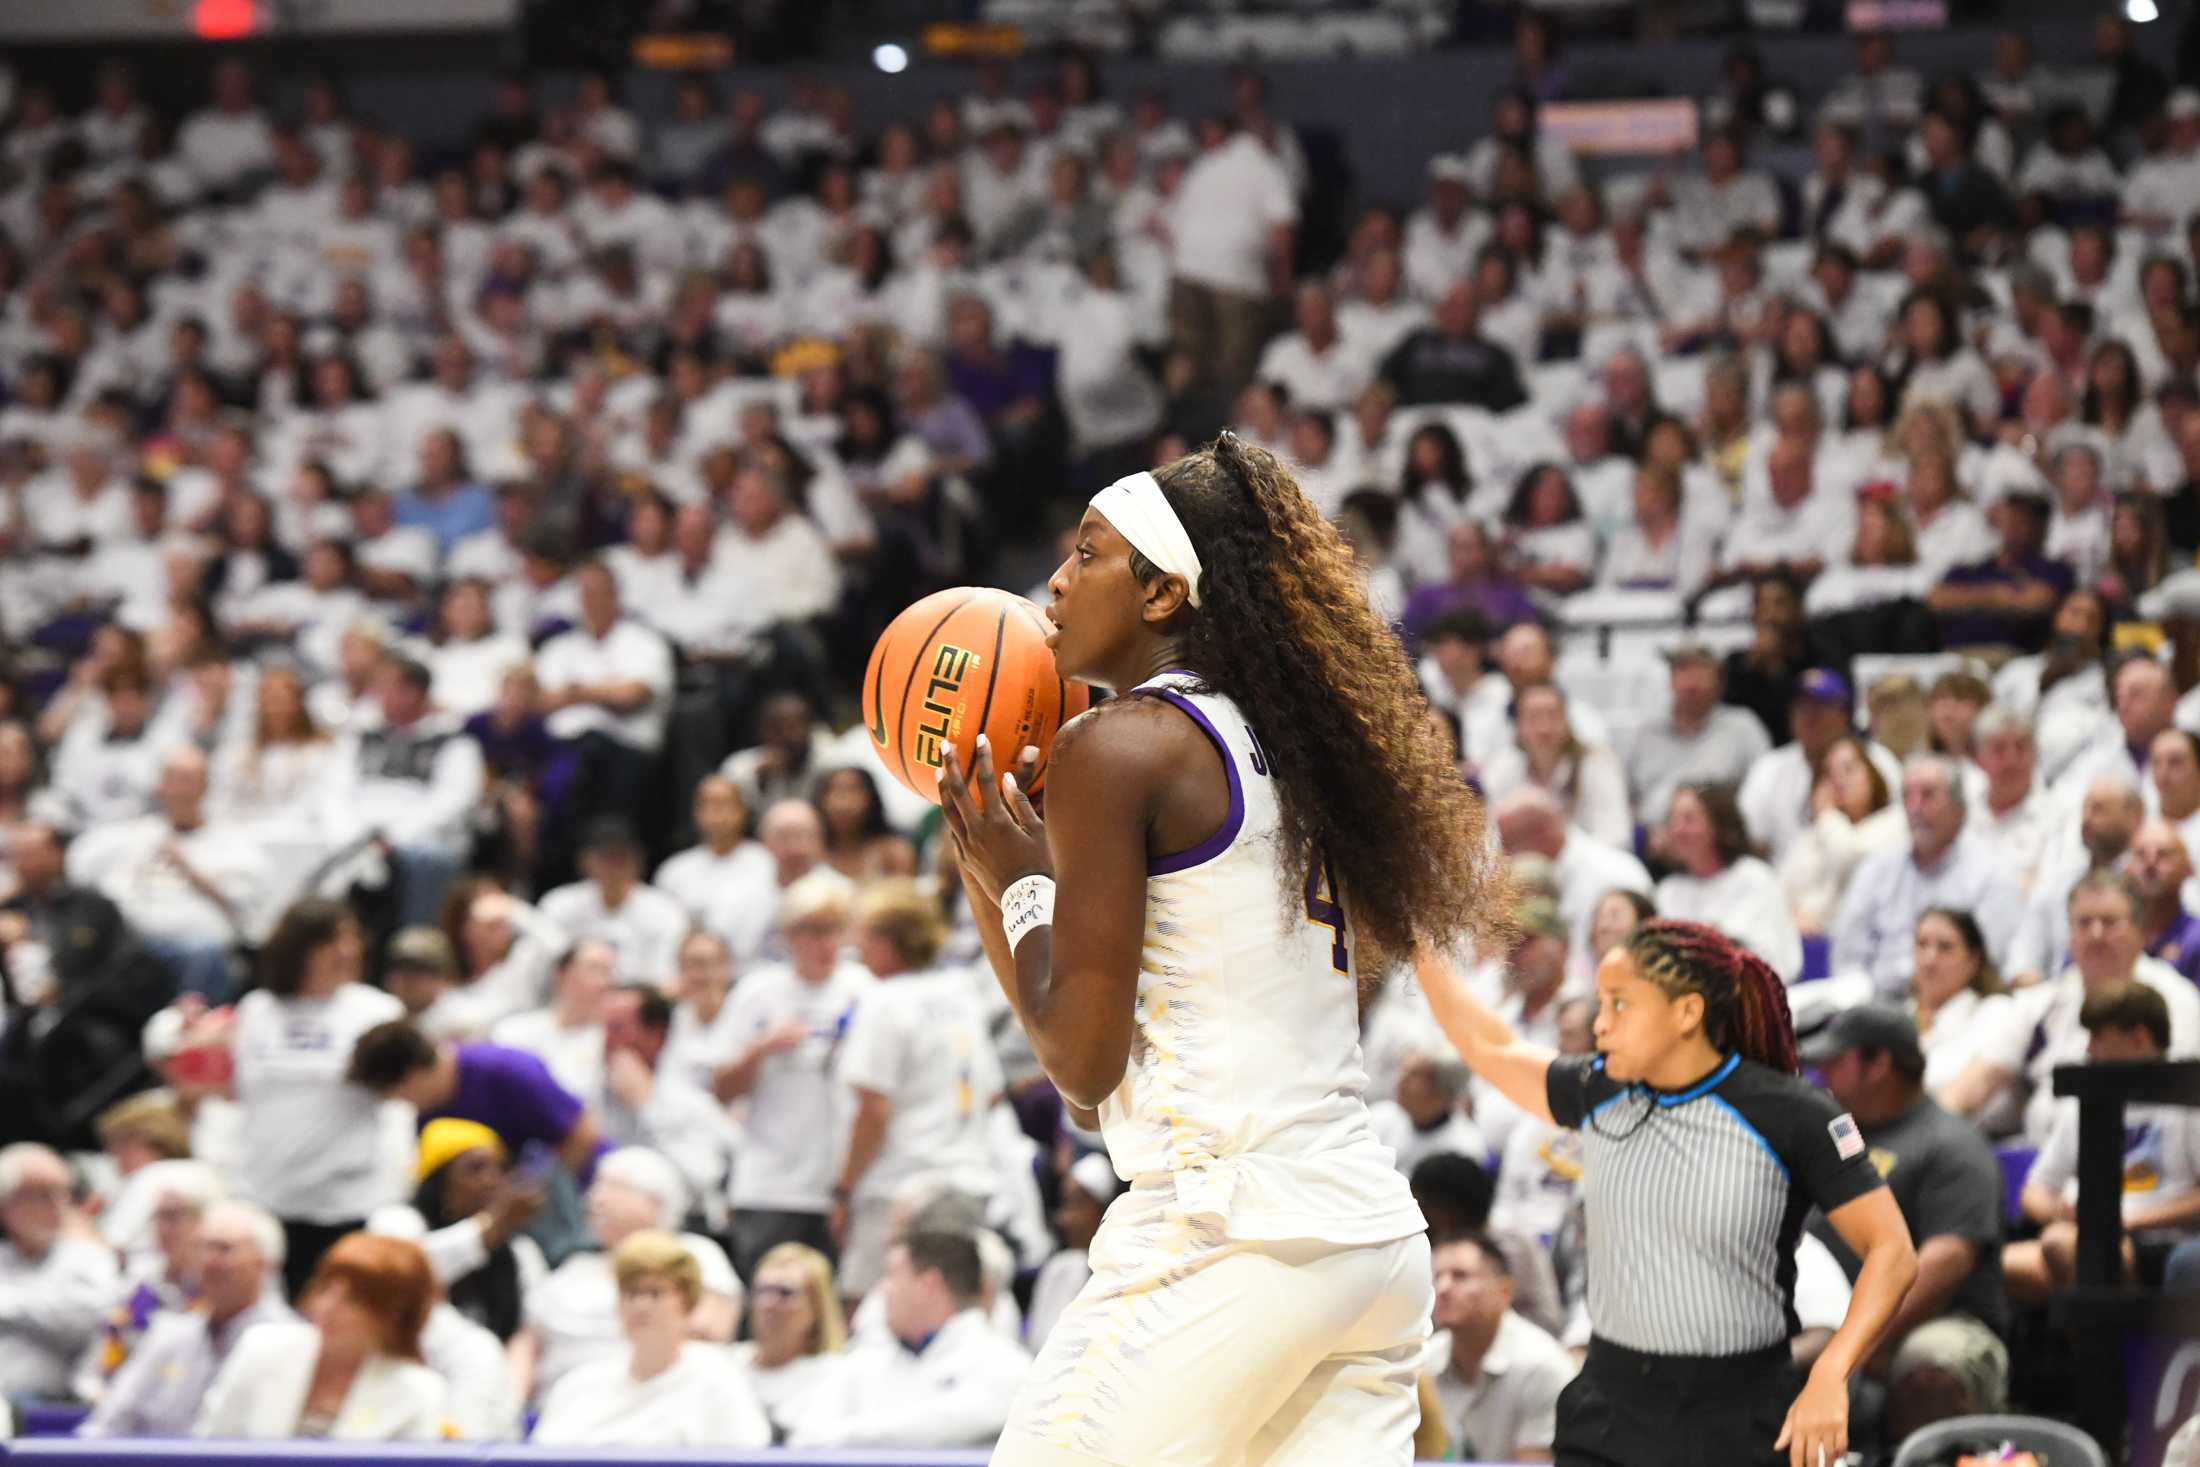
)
(1027, 906)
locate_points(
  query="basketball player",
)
(1267, 805)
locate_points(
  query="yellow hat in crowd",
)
(442, 1140)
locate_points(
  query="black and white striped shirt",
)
(1694, 1199)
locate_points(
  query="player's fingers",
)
(954, 796)
(1027, 773)
(1019, 808)
(1787, 1430)
(982, 775)
(954, 790)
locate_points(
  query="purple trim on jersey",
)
(1214, 845)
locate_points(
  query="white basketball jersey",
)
(1244, 1089)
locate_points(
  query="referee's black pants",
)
(1628, 1409)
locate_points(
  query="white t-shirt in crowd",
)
(576, 1309)
(131, 862)
(1745, 901)
(2040, 1030)
(630, 653)
(920, 1041)
(1821, 1288)
(573, 1053)
(693, 876)
(481, 1406)
(1959, 1030)
(783, 1391)
(312, 1141)
(789, 571)
(1598, 806)
(1587, 870)
(745, 912)
(222, 147)
(1822, 527)
(1456, 1134)
(702, 1400)
(1775, 793)
(1223, 214)
(68, 1290)
(645, 931)
(955, 1392)
(1512, 1404)
(1538, 1180)
(2161, 1156)
(695, 1048)
(1315, 379)
(798, 1107)
(468, 675)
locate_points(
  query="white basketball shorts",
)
(1189, 1349)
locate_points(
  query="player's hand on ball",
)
(1002, 840)
(1816, 1432)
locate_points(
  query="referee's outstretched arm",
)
(1519, 1070)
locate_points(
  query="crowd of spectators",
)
(432, 586)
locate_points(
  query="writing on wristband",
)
(1027, 906)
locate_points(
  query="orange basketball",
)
(959, 663)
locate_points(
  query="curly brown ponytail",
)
(1361, 765)
(1745, 1004)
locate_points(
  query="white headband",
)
(1140, 513)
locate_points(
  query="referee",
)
(1702, 1151)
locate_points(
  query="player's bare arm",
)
(1130, 780)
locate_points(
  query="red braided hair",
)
(1745, 1003)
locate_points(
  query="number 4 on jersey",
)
(1322, 907)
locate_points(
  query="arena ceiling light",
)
(2141, 11)
(893, 59)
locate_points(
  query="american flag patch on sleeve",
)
(1847, 1140)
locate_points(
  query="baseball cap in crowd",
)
(424, 948)
(1872, 1026)
(1824, 685)
(446, 1138)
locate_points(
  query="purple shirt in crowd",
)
(514, 1094)
(1501, 600)
(2180, 946)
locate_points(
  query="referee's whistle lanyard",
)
(1649, 1100)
